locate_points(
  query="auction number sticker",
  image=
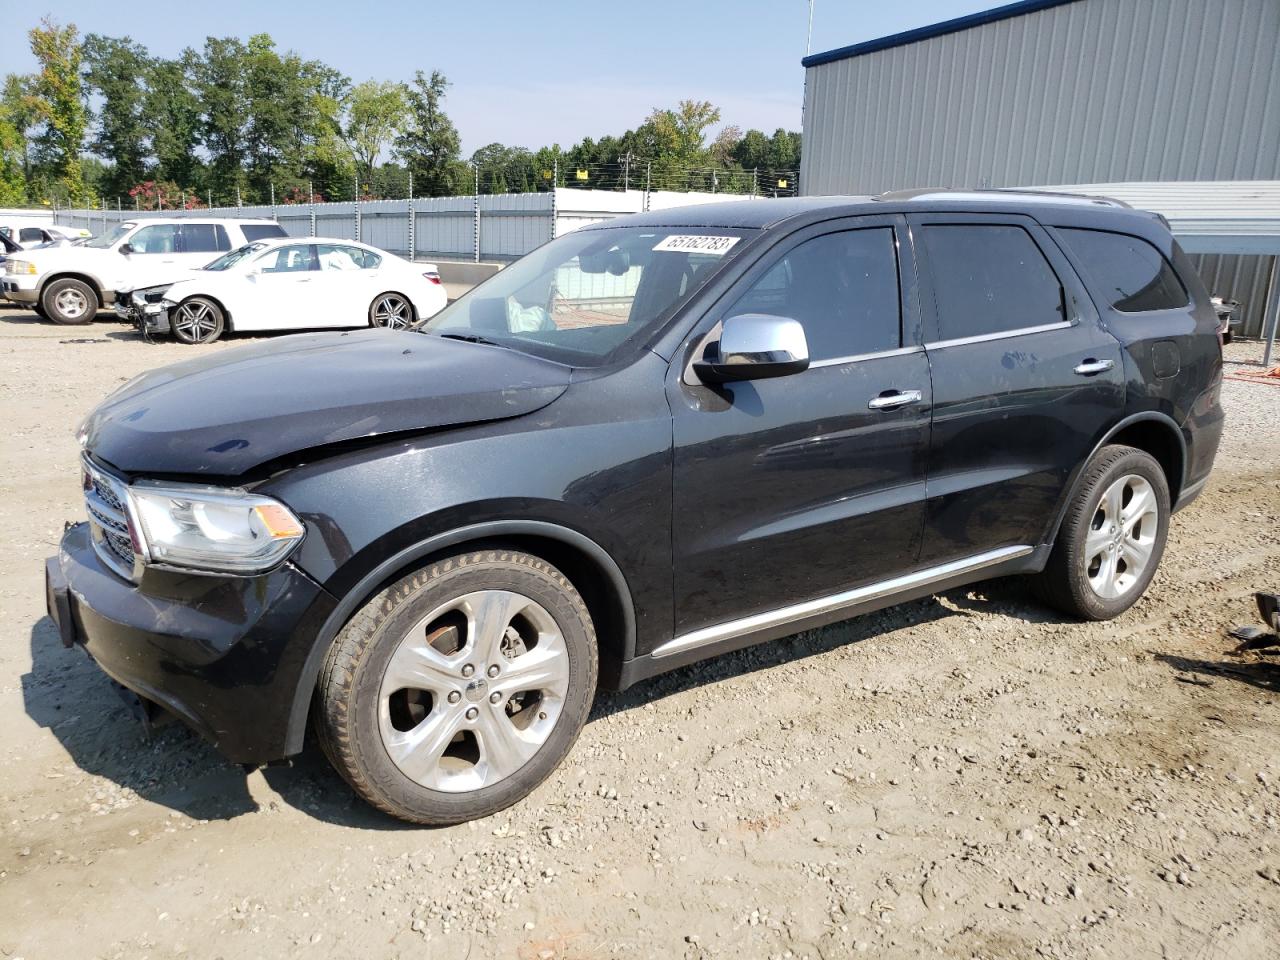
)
(716, 246)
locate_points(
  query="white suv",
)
(68, 284)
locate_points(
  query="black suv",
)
(650, 441)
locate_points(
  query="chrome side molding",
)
(849, 599)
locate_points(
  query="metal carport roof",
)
(1212, 216)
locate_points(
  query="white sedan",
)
(288, 284)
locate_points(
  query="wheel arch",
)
(227, 324)
(592, 571)
(413, 307)
(1152, 432)
(84, 278)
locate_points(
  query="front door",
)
(799, 487)
(1025, 380)
(281, 292)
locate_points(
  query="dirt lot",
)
(965, 776)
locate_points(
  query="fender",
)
(1147, 415)
(360, 593)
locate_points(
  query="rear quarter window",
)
(262, 231)
(1129, 272)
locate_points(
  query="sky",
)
(524, 73)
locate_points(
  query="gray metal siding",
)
(1097, 90)
(1092, 91)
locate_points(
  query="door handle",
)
(1091, 366)
(892, 399)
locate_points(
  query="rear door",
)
(200, 243)
(800, 487)
(1025, 381)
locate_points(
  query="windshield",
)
(234, 257)
(581, 298)
(109, 239)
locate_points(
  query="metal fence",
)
(483, 227)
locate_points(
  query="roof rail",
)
(1001, 193)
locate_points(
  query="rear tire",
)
(391, 310)
(1112, 537)
(69, 302)
(457, 690)
(197, 320)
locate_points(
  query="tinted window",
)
(335, 256)
(31, 234)
(291, 259)
(842, 287)
(262, 231)
(990, 278)
(161, 238)
(199, 238)
(1133, 274)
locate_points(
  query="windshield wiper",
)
(470, 338)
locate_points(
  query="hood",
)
(227, 413)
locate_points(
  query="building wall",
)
(1087, 92)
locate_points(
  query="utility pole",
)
(312, 191)
(626, 171)
(648, 178)
(273, 203)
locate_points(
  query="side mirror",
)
(755, 346)
(126, 248)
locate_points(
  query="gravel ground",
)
(964, 776)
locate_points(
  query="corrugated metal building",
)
(1058, 92)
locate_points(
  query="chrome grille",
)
(104, 500)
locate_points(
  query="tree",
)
(16, 120)
(429, 145)
(116, 71)
(218, 81)
(57, 99)
(172, 119)
(375, 114)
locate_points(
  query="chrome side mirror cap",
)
(755, 346)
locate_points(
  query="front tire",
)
(69, 302)
(1112, 537)
(197, 320)
(456, 691)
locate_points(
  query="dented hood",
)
(230, 411)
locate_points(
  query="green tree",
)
(116, 69)
(16, 120)
(376, 112)
(57, 99)
(172, 119)
(429, 144)
(218, 81)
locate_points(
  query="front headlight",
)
(20, 268)
(215, 529)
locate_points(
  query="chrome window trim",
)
(999, 335)
(859, 357)
(848, 599)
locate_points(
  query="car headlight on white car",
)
(21, 268)
(213, 529)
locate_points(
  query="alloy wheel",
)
(391, 311)
(71, 303)
(195, 321)
(1121, 537)
(473, 691)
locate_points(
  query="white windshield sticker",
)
(716, 246)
